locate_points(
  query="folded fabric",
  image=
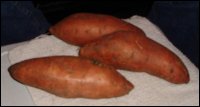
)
(149, 90)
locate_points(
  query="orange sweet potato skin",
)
(71, 77)
(82, 28)
(132, 51)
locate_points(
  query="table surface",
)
(12, 94)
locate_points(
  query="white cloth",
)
(149, 90)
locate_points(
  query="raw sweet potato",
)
(71, 77)
(82, 28)
(131, 51)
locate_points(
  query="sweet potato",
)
(82, 28)
(131, 51)
(71, 77)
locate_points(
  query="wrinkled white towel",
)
(149, 90)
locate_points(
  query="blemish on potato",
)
(97, 63)
(171, 70)
(146, 59)
(87, 31)
(139, 45)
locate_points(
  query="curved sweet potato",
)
(131, 51)
(82, 28)
(71, 77)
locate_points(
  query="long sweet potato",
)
(71, 77)
(131, 51)
(82, 28)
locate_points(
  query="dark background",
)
(56, 10)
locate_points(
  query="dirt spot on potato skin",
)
(171, 70)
